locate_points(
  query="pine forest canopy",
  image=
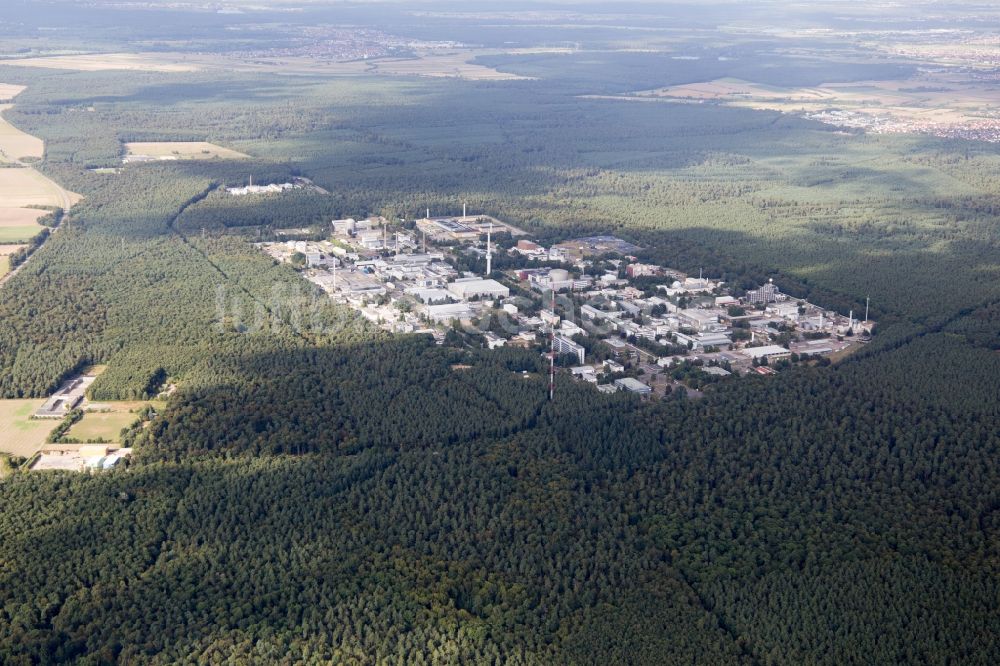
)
(318, 491)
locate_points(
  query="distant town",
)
(608, 318)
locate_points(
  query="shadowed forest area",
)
(318, 491)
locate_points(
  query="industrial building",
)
(768, 352)
(466, 288)
(441, 314)
(633, 386)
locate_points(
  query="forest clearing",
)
(104, 426)
(179, 150)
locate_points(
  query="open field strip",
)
(97, 62)
(16, 145)
(20, 435)
(182, 150)
(9, 91)
(20, 217)
(433, 63)
(20, 187)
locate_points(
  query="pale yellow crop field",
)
(5, 251)
(186, 150)
(97, 62)
(27, 187)
(457, 65)
(9, 91)
(15, 144)
(20, 217)
(19, 434)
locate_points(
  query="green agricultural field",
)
(18, 234)
(20, 435)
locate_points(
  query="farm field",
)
(7, 249)
(451, 64)
(16, 145)
(19, 434)
(17, 225)
(941, 103)
(15, 235)
(98, 62)
(181, 150)
(27, 187)
(9, 91)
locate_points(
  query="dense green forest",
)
(316, 492)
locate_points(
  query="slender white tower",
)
(489, 250)
(463, 210)
(552, 352)
(867, 301)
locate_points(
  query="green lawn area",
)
(19, 434)
(102, 425)
(19, 234)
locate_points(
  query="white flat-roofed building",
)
(633, 386)
(700, 320)
(441, 314)
(466, 288)
(345, 226)
(493, 340)
(431, 295)
(720, 340)
(786, 310)
(612, 366)
(567, 346)
(419, 259)
(371, 240)
(768, 351)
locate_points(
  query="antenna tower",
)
(552, 352)
(489, 250)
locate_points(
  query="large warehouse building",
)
(467, 288)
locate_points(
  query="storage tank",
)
(558, 275)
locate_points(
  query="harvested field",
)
(19, 434)
(15, 145)
(17, 225)
(27, 187)
(97, 62)
(942, 104)
(456, 65)
(20, 217)
(9, 91)
(180, 150)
